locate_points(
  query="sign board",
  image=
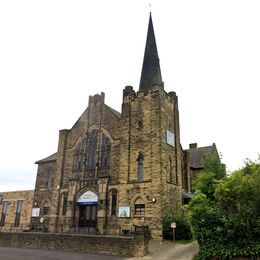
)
(173, 225)
(35, 212)
(87, 198)
(170, 139)
(124, 212)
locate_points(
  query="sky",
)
(54, 54)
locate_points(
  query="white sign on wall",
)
(170, 139)
(88, 197)
(124, 212)
(35, 212)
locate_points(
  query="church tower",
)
(151, 155)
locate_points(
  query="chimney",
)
(193, 145)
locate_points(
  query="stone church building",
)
(114, 172)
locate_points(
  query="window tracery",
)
(105, 151)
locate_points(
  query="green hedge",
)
(224, 236)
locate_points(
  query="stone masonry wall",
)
(43, 190)
(112, 245)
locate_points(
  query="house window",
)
(105, 152)
(139, 207)
(4, 210)
(113, 202)
(65, 203)
(140, 167)
(92, 147)
(18, 213)
(46, 211)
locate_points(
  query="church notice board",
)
(124, 212)
(35, 212)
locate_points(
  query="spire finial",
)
(150, 8)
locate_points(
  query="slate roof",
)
(50, 158)
(197, 155)
(151, 72)
(116, 113)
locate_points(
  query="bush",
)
(182, 231)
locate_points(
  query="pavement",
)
(158, 250)
(167, 250)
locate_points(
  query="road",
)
(157, 251)
(14, 253)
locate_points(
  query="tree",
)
(213, 171)
(225, 217)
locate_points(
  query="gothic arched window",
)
(140, 167)
(64, 203)
(49, 178)
(113, 202)
(105, 152)
(139, 207)
(92, 147)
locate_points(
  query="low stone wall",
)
(111, 245)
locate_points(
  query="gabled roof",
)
(50, 158)
(197, 155)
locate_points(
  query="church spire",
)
(151, 72)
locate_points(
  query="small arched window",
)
(113, 202)
(46, 209)
(139, 207)
(140, 167)
(105, 152)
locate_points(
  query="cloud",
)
(16, 179)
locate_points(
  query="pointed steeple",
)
(151, 72)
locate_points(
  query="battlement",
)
(129, 94)
(97, 98)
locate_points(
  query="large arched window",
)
(140, 167)
(105, 152)
(92, 147)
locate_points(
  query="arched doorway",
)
(87, 204)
